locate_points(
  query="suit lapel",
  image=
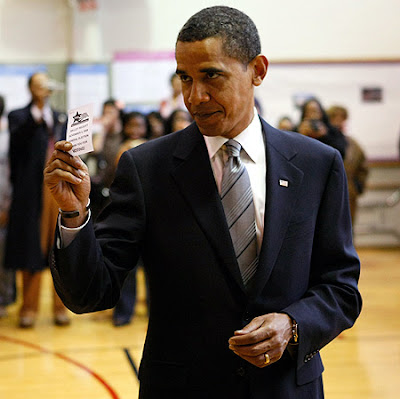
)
(194, 177)
(283, 181)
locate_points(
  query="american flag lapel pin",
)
(283, 183)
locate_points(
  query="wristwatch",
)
(295, 334)
(72, 214)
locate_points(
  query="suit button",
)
(246, 317)
(241, 372)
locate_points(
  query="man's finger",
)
(54, 176)
(73, 161)
(261, 360)
(254, 325)
(63, 145)
(255, 331)
(251, 350)
(61, 164)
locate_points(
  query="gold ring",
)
(267, 359)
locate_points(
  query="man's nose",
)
(198, 94)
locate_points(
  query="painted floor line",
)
(131, 362)
(41, 349)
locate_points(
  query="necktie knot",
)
(233, 148)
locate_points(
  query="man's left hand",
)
(263, 341)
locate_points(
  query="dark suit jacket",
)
(165, 206)
(27, 154)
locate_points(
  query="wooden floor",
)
(93, 359)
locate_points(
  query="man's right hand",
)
(68, 179)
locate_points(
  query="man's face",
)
(39, 87)
(218, 90)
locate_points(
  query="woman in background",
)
(178, 120)
(355, 161)
(134, 133)
(155, 125)
(315, 123)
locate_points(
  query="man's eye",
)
(212, 75)
(184, 78)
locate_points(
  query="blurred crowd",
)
(28, 214)
(329, 127)
(27, 226)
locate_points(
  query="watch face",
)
(294, 332)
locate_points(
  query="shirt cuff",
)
(67, 234)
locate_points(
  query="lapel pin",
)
(283, 183)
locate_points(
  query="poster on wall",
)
(142, 78)
(370, 91)
(14, 84)
(87, 84)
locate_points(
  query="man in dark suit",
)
(33, 131)
(220, 326)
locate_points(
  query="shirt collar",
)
(250, 139)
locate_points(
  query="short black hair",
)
(131, 115)
(110, 101)
(324, 118)
(238, 32)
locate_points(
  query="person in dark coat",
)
(33, 131)
(314, 122)
(220, 325)
(7, 276)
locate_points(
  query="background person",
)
(107, 139)
(7, 276)
(315, 123)
(285, 123)
(178, 120)
(134, 132)
(156, 125)
(225, 303)
(355, 161)
(175, 101)
(33, 212)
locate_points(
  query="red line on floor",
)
(110, 390)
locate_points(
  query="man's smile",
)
(204, 115)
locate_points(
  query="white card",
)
(79, 129)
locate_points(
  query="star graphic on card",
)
(77, 117)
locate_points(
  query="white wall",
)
(52, 31)
(310, 29)
(34, 31)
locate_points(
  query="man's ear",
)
(259, 67)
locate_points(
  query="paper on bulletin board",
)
(142, 77)
(87, 84)
(14, 84)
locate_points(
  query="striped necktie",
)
(237, 200)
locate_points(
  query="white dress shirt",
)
(44, 114)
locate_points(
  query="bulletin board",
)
(87, 84)
(14, 83)
(142, 78)
(370, 91)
